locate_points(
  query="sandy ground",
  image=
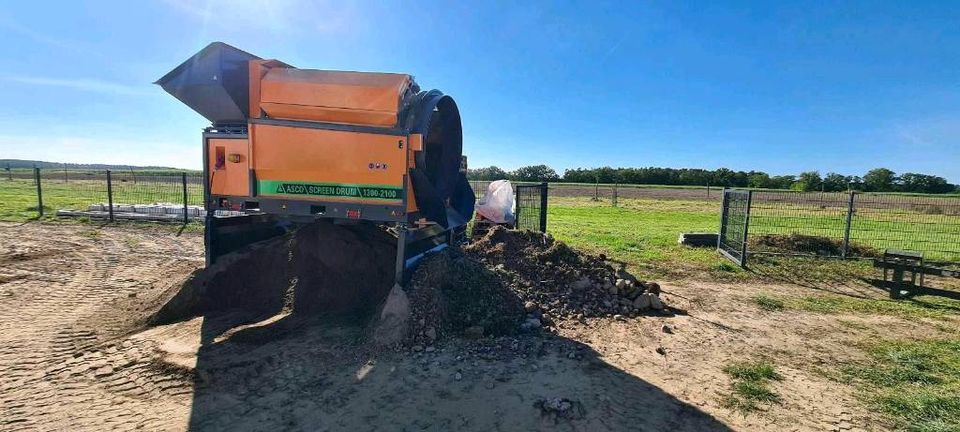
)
(75, 355)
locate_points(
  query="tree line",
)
(875, 180)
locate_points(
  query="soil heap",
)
(320, 267)
(504, 283)
(519, 281)
(802, 243)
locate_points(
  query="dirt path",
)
(74, 356)
(66, 291)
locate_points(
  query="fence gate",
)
(531, 205)
(734, 223)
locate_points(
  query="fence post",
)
(185, 217)
(596, 189)
(846, 229)
(36, 178)
(516, 199)
(746, 229)
(543, 206)
(616, 190)
(724, 202)
(110, 194)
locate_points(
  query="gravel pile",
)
(510, 282)
(452, 293)
(555, 280)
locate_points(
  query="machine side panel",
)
(329, 114)
(328, 165)
(228, 167)
(360, 98)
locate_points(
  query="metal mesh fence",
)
(530, 205)
(531, 209)
(919, 223)
(76, 191)
(786, 222)
(108, 192)
(131, 188)
(854, 224)
(614, 193)
(733, 225)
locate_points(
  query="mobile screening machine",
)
(288, 146)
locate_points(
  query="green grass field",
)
(938, 234)
(642, 233)
(18, 198)
(645, 230)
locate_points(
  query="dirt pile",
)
(506, 282)
(808, 244)
(320, 267)
(519, 281)
(559, 281)
(451, 292)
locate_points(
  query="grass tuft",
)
(917, 307)
(915, 383)
(751, 386)
(725, 267)
(769, 303)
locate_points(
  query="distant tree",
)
(729, 178)
(783, 181)
(855, 183)
(879, 180)
(487, 174)
(912, 182)
(539, 173)
(577, 175)
(760, 180)
(809, 181)
(834, 182)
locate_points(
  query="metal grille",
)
(530, 203)
(787, 222)
(479, 188)
(734, 223)
(70, 190)
(134, 188)
(531, 211)
(103, 190)
(927, 224)
(850, 224)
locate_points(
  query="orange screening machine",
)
(288, 146)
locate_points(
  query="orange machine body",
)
(288, 146)
(322, 136)
(357, 98)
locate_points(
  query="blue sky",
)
(774, 86)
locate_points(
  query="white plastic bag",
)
(497, 203)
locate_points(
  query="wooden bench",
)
(897, 263)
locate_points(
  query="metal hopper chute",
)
(214, 83)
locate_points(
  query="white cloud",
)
(89, 85)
